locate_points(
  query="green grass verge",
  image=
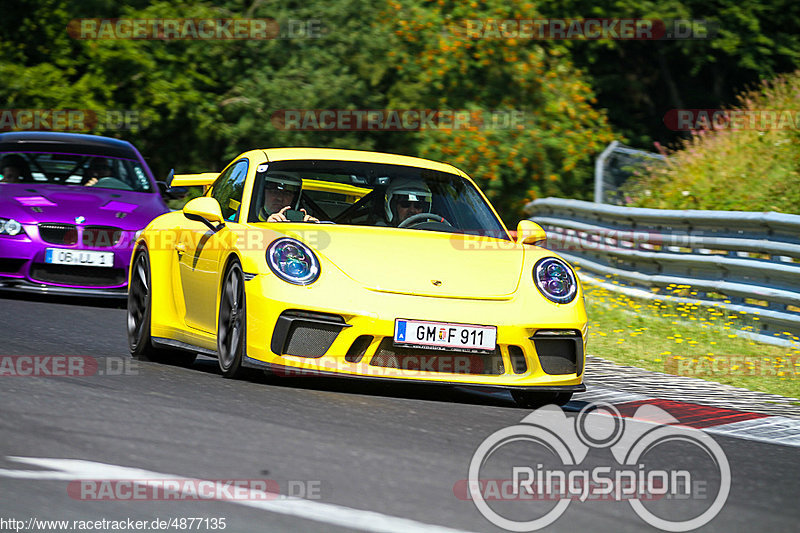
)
(743, 166)
(688, 340)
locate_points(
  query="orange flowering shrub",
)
(534, 129)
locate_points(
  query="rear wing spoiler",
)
(190, 180)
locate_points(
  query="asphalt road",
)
(365, 457)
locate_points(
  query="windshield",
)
(371, 194)
(73, 170)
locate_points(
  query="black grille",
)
(450, 361)
(101, 236)
(78, 275)
(11, 266)
(560, 354)
(518, 363)
(358, 349)
(311, 340)
(58, 233)
(305, 333)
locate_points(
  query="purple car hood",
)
(29, 203)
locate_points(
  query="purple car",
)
(70, 208)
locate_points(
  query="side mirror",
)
(205, 210)
(529, 232)
(171, 193)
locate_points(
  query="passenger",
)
(405, 198)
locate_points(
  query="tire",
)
(534, 400)
(140, 342)
(232, 324)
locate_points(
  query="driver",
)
(281, 193)
(14, 169)
(406, 197)
(99, 168)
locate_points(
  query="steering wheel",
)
(423, 217)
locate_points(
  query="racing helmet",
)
(406, 190)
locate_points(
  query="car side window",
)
(228, 190)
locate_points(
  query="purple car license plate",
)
(58, 256)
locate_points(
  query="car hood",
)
(422, 263)
(31, 203)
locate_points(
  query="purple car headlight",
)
(293, 261)
(555, 280)
(9, 226)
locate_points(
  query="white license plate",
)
(444, 335)
(58, 256)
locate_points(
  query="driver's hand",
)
(307, 217)
(91, 182)
(279, 216)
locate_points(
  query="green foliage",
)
(745, 169)
(201, 102)
(438, 66)
(639, 80)
(671, 337)
(342, 68)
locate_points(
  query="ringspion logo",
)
(654, 468)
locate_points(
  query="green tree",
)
(438, 65)
(639, 81)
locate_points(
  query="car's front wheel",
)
(232, 325)
(533, 400)
(140, 302)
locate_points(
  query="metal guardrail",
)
(739, 261)
(614, 166)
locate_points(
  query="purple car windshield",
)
(75, 170)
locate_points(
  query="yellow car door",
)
(201, 249)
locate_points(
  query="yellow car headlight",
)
(555, 280)
(293, 261)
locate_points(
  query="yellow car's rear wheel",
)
(140, 304)
(232, 325)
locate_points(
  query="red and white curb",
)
(717, 420)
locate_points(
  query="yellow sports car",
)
(304, 261)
